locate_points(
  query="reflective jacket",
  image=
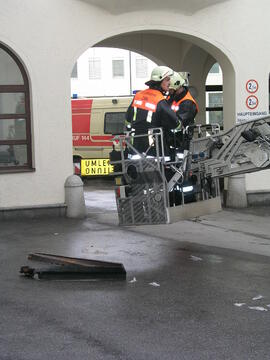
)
(185, 107)
(147, 99)
(175, 104)
(149, 109)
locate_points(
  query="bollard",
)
(74, 197)
(236, 196)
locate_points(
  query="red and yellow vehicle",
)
(95, 121)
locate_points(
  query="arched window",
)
(15, 120)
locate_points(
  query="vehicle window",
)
(114, 123)
(15, 119)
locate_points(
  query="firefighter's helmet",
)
(185, 75)
(159, 73)
(177, 81)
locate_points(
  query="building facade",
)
(109, 72)
(41, 40)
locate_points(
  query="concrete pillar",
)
(74, 197)
(236, 195)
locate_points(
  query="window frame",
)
(27, 116)
(214, 88)
(94, 75)
(106, 121)
(145, 68)
(123, 68)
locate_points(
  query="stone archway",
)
(183, 52)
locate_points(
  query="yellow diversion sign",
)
(92, 167)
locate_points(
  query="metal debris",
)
(70, 268)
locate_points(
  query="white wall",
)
(50, 35)
(108, 85)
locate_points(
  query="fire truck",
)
(95, 121)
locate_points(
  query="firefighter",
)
(184, 105)
(150, 109)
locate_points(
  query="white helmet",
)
(185, 75)
(177, 81)
(159, 73)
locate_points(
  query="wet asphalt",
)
(181, 300)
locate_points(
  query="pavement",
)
(196, 289)
(246, 230)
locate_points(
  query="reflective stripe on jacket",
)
(175, 104)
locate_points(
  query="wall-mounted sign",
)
(252, 86)
(252, 102)
(243, 116)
